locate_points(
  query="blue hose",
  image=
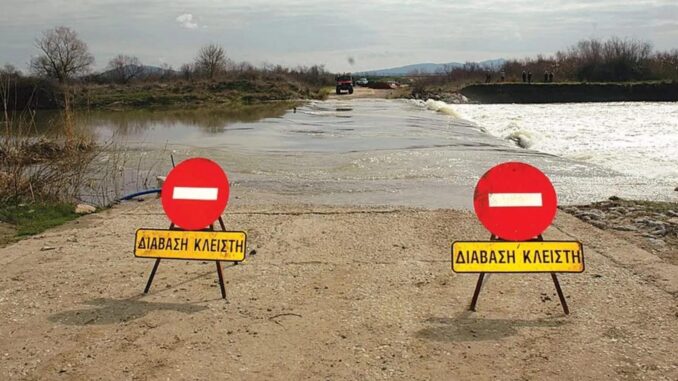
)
(133, 195)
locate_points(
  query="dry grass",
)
(40, 169)
(34, 168)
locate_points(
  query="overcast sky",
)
(376, 34)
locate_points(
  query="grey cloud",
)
(186, 20)
(377, 33)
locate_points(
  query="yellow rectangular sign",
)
(517, 257)
(181, 244)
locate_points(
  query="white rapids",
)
(639, 139)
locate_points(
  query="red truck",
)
(344, 82)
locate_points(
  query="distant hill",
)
(427, 68)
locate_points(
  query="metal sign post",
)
(516, 202)
(481, 276)
(194, 195)
(218, 262)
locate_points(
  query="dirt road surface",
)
(365, 92)
(337, 293)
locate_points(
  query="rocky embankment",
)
(651, 225)
(572, 92)
(445, 96)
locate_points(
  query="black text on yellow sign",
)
(517, 257)
(180, 244)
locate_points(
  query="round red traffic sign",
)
(195, 193)
(515, 201)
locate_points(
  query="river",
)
(402, 152)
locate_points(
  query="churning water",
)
(637, 138)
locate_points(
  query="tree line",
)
(595, 60)
(64, 57)
(591, 60)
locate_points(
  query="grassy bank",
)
(28, 219)
(39, 181)
(231, 93)
(224, 92)
(40, 177)
(571, 92)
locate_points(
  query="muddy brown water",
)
(340, 151)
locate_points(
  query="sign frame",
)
(512, 201)
(220, 273)
(186, 258)
(581, 247)
(554, 277)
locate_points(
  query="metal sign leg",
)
(219, 271)
(155, 268)
(476, 293)
(481, 277)
(223, 227)
(563, 302)
(218, 263)
(150, 277)
(221, 280)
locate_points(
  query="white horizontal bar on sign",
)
(499, 200)
(195, 193)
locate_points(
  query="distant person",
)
(524, 76)
(502, 76)
(488, 78)
(551, 77)
(529, 77)
(546, 76)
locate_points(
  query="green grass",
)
(30, 219)
(229, 93)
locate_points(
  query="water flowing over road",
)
(401, 152)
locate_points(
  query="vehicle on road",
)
(362, 81)
(344, 82)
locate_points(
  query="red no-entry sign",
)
(195, 193)
(515, 201)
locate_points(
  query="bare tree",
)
(186, 71)
(211, 60)
(10, 70)
(63, 55)
(125, 68)
(166, 71)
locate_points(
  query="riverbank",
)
(650, 225)
(24, 220)
(341, 291)
(230, 93)
(571, 92)
(37, 94)
(327, 292)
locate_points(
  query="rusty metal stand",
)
(221, 280)
(476, 293)
(219, 270)
(563, 302)
(150, 277)
(481, 276)
(479, 284)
